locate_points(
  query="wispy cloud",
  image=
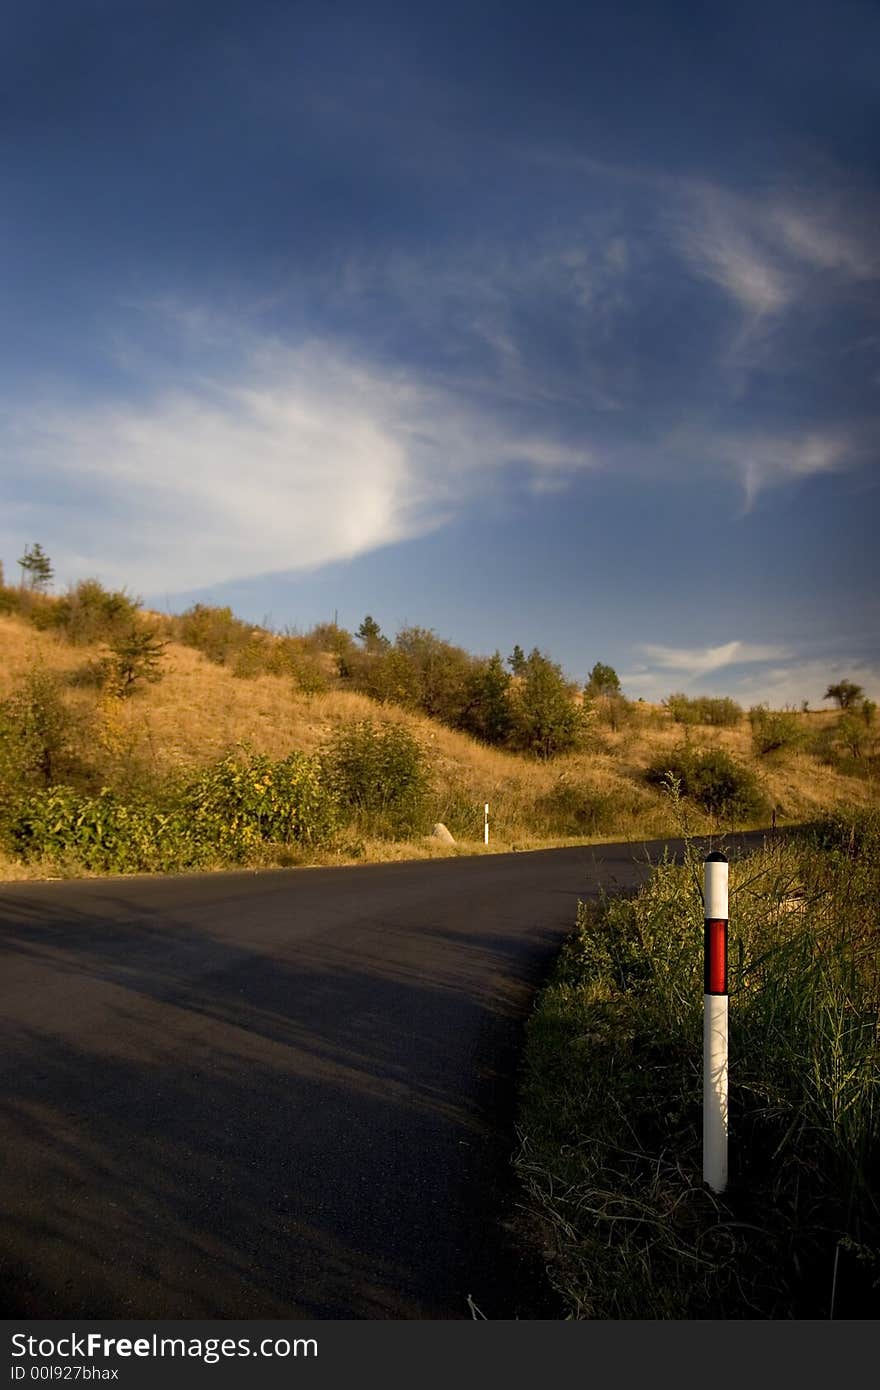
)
(294, 459)
(818, 233)
(763, 250)
(763, 460)
(700, 661)
(797, 681)
(720, 247)
(777, 679)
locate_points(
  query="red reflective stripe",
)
(716, 956)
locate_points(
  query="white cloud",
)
(806, 680)
(763, 459)
(699, 661)
(294, 460)
(764, 250)
(818, 234)
(778, 677)
(719, 236)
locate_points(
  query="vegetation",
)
(713, 779)
(36, 568)
(35, 734)
(134, 658)
(545, 720)
(846, 693)
(82, 708)
(379, 772)
(775, 731)
(704, 709)
(227, 814)
(89, 613)
(611, 1103)
(603, 681)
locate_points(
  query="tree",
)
(487, 715)
(36, 568)
(517, 660)
(846, 693)
(442, 672)
(370, 634)
(546, 719)
(602, 681)
(135, 656)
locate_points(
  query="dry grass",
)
(200, 710)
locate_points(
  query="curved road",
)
(274, 1095)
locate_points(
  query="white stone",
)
(441, 833)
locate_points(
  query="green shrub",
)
(263, 654)
(378, 771)
(775, 731)
(573, 810)
(704, 709)
(227, 813)
(105, 834)
(243, 802)
(36, 733)
(89, 613)
(711, 778)
(215, 632)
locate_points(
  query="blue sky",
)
(539, 323)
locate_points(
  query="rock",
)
(441, 833)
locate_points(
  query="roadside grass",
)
(610, 1121)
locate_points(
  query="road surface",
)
(274, 1095)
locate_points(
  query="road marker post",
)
(486, 824)
(715, 1011)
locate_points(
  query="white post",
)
(486, 824)
(715, 876)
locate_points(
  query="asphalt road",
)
(275, 1095)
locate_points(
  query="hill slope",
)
(199, 710)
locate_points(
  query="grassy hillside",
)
(200, 709)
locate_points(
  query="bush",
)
(215, 632)
(243, 802)
(614, 711)
(774, 731)
(379, 772)
(263, 655)
(227, 813)
(711, 778)
(104, 833)
(36, 734)
(704, 709)
(573, 810)
(90, 613)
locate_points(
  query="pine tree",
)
(36, 568)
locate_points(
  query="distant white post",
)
(715, 899)
(486, 824)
